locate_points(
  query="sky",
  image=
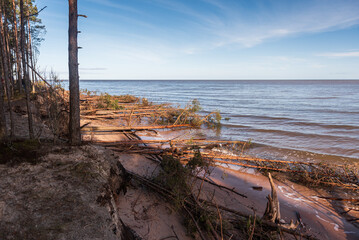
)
(205, 39)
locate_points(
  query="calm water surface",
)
(288, 118)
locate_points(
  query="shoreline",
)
(311, 129)
(298, 199)
(230, 191)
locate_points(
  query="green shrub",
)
(107, 101)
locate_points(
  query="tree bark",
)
(75, 133)
(272, 212)
(18, 57)
(6, 68)
(30, 59)
(8, 56)
(3, 131)
(25, 73)
(28, 50)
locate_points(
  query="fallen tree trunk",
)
(106, 129)
(250, 166)
(231, 157)
(185, 141)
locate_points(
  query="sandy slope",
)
(56, 198)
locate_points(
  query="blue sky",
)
(206, 39)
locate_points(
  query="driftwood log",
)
(272, 212)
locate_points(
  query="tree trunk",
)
(2, 108)
(6, 68)
(25, 73)
(29, 46)
(8, 55)
(27, 50)
(75, 134)
(18, 57)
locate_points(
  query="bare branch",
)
(37, 13)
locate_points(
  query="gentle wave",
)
(295, 122)
(323, 98)
(313, 116)
(312, 136)
(262, 117)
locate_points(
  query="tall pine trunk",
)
(17, 51)
(24, 68)
(75, 134)
(6, 68)
(2, 107)
(30, 57)
(8, 54)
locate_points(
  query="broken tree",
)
(75, 133)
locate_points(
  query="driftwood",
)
(271, 217)
(231, 157)
(167, 194)
(175, 141)
(247, 165)
(185, 156)
(133, 151)
(106, 129)
(122, 113)
(221, 186)
(342, 185)
(263, 222)
(340, 199)
(113, 116)
(127, 109)
(86, 124)
(213, 158)
(272, 212)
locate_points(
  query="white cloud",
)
(283, 25)
(233, 23)
(187, 41)
(339, 54)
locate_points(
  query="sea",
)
(286, 119)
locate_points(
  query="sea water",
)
(286, 119)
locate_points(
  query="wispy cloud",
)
(118, 6)
(138, 22)
(216, 23)
(284, 19)
(339, 54)
(202, 17)
(250, 23)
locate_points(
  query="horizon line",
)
(307, 79)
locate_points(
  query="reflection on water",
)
(311, 116)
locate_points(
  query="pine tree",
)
(75, 134)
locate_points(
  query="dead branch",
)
(221, 186)
(106, 129)
(272, 212)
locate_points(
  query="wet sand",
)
(319, 217)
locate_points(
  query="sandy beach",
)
(319, 217)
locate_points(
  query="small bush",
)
(107, 101)
(88, 93)
(214, 120)
(195, 106)
(128, 98)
